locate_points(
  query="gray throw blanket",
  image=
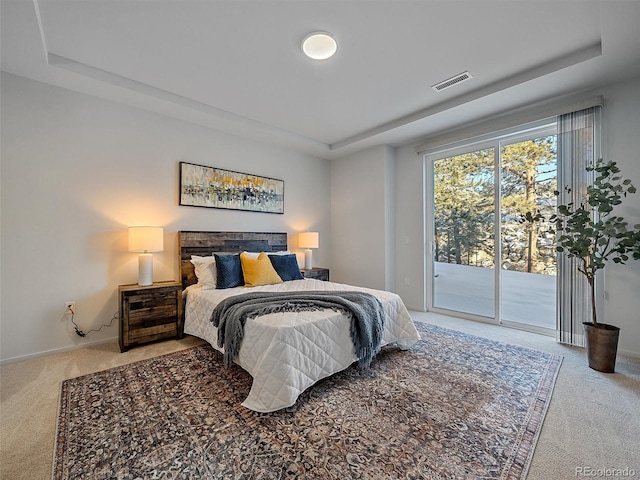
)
(363, 309)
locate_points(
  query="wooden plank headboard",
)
(207, 243)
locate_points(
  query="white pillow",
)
(205, 269)
(254, 255)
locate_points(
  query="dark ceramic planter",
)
(602, 346)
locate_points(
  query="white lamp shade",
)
(308, 240)
(146, 239)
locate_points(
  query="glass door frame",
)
(496, 142)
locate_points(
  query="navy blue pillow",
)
(286, 266)
(229, 271)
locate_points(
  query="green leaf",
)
(607, 237)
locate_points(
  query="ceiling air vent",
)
(462, 77)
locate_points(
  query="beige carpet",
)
(592, 423)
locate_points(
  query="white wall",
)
(362, 212)
(621, 142)
(390, 218)
(76, 171)
(410, 230)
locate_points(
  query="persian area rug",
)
(454, 406)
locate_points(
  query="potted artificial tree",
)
(591, 233)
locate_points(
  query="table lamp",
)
(308, 240)
(145, 240)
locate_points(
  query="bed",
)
(284, 352)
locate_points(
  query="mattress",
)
(287, 352)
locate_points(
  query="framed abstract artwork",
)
(202, 186)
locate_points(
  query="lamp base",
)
(145, 269)
(308, 259)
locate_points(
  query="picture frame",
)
(211, 187)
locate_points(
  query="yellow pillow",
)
(258, 271)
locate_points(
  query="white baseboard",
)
(628, 353)
(6, 361)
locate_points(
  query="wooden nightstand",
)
(316, 272)
(149, 313)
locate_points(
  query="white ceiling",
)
(237, 65)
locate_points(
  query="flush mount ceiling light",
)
(319, 45)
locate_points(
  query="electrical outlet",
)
(69, 308)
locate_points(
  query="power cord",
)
(80, 333)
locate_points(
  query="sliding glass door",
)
(527, 240)
(463, 239)
(496, 267)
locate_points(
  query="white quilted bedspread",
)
(287, 352)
